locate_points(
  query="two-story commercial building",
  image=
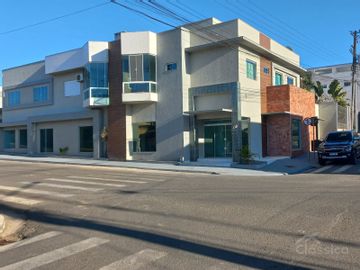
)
(203, 90)
(44, 109)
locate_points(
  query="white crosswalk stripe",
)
(55, 255)
(18, 200)
(108, 179)
(35, 191)
(136, 261)
(84, 182)
(322, 169)
(63, 186)
(29, 241)
(342, 169)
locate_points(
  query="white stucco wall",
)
(251, 100)
(138, 43)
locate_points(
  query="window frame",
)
(10, 98)
(281, 78)
(168, 66)
(21, 145)
(254, 69)
(38, 97)
(299, 134)
(13, 139)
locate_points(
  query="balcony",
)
(139, 92)
(95, 97)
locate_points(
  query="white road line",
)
(35, 191)
(136, 260)
(323, 169)
(55, 255)
(342, 169)
(18, 200)
(29, 241)
(62, 186)
(107, 179)
(84, 182)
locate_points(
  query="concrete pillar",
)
(97, 128)
(31, 138)
(236, 124)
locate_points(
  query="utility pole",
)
(353, 112)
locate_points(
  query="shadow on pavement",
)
(203, 249)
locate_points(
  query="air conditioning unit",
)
(80, 77)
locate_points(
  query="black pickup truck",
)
(339, 145)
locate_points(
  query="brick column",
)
(116, 144)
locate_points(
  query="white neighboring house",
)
(343, 74)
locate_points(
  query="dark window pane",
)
(9, 139)
(86, 139)
(46, 140)
(144, 135)
(149, 68)
(23, 138)
(295, 133)
(125, 68)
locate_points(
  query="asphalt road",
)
(107, 218)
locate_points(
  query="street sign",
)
(307, 121)
(311, 121)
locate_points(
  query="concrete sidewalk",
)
(145, 165)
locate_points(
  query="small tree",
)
(306, 82)
(319, 91)
(337, 93)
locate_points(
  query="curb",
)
(2, 224)
(109, 166)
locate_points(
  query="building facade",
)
(340, 119)
(203, 90)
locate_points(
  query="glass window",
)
(13, 98)
(295, 134)
(46, 140)
(40, 94)
(96, 75)
(347, 83)
(290, 80)
(250, 70)
(125, 68)
(99, 92)
(149, 68)
(278, 78)
(86, 139)
(170, 66)
(144, 135)
(9, 139)
(136, 68)
(23, 138)
(71, 88)
(136, 87)
(266, 70)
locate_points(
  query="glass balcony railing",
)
(140, 87)
(96, 97)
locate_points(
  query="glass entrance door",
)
(218, 140)
(46, 140)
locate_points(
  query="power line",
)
(54, 19)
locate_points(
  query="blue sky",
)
(318, 30)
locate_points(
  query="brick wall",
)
(290, 102)
(278, 135)
(264, 41)
(265, 81)
(117, 110)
